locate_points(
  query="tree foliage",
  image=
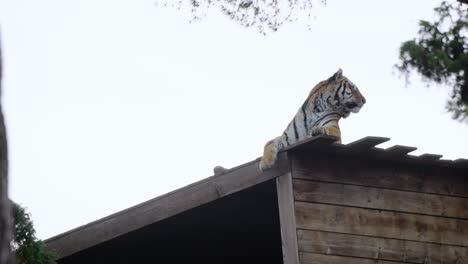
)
(28, 249)
(439, 54)
(265, 15)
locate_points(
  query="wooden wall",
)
(363, 211)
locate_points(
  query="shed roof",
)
(170, 206)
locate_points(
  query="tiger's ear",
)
(336, 76)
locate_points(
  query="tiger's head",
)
(346, 97)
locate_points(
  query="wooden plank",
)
(313, 143)
(311, 258)
(430, 157)
(445, 163)
(365, 147)
(380, 174)
(461, 163)
(287, 219)
(398, 150)
(366, 143)
(371, 222)
(376, 198)
(163, 207)
(379, 248)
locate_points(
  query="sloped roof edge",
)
(163, 207)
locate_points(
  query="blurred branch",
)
(265, 15)
(5, 212)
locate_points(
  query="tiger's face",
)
(346, 96)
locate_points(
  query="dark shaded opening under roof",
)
(238, 228)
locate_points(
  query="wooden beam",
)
(287, 219)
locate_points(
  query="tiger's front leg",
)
(331, 131)
(270, 153)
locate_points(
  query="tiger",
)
(327, 103)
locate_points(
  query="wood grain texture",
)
(388, 175)
(376, 198)
(371, 222)
(379, 248)
(163, 207)
(287, 219)
(311, 258)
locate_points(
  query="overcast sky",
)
(111, 103)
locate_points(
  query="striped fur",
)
(327, 103)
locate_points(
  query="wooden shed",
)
(323, 203)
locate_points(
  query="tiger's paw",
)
(218, 170)
(333, 132)
(266, 163)
(270, 153)
(318, 131)
(327, 131)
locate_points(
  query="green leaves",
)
(28, 249)
(439, 54)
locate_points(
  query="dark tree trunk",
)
(5, 212)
